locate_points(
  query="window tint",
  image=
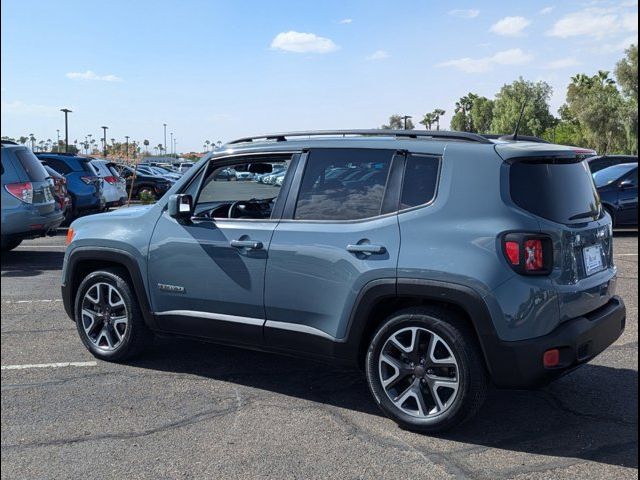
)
(611, 174)
(32, 166)
(58, 165)
(420, 181)
(246, 191)
(343, 184)
(564, 193)
(634, 177)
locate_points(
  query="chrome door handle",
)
(367, 249)
(251, 244)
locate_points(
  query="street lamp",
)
(58, 144)
(171, 142)
(165, 138)
(406, 117)
(127, 147)
(104, 141)
(66, 128)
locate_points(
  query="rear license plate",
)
(593, 259)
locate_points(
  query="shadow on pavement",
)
(590, 414)
(29, 263)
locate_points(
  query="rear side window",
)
(343, 184)
(561, 192)
(32, 166)
(58, 165)
(420, 181)
(88, 167)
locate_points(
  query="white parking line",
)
(31, 301)
(49, 365)
(625, 255)
(40, 246)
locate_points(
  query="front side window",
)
(343, 184)
(242, 191)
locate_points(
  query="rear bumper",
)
(28, 223)
(519, 364)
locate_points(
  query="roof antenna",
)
(515, 133)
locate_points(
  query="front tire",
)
(108, 318)
(425, 370)
(10, 245)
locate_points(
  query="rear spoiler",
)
(541, 153)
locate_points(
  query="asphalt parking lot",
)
(195, 410)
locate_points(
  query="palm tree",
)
(428, 120)
(206, 145)
(146, 145)
(22, 140)
(32, 138)
(437, 113)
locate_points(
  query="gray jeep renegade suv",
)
(439, 262)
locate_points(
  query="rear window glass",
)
(420, 181)
(32, 166)
(611, 174)
(561, 192)
(58, 165)
(343, 184)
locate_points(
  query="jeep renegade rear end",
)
(439, 262)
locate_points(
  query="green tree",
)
(428, 120)
(397, 122)
(536, 118)
(481, 114)
(437, 113)
(596, 103)
(627, 75)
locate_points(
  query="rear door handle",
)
(251, 244)
(367, 249)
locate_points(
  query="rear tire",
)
(108, 317)
(425, 369)
(10, 245)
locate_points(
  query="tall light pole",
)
(165, 138)
(127, 147)
(58, 144)
(66, 128)
(406, 117)
(171, 144)
(104, 141)
(175, 150)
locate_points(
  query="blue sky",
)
(221, 69)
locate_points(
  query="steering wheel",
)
(235, 206)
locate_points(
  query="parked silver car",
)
(114, 187)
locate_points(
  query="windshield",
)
(609, 175)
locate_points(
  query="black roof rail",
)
(509, 137)
(9, 142)
(67, 154)
(422, 134)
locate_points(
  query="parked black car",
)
(155, 186)
(618, 189)
(601, 162)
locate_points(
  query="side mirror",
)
(180, 206)
(626, 185)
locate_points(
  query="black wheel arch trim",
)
(462, 296)
(111, 255)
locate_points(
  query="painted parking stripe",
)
(31, 301)
(625, 255)
(49, 365)
(39, 246)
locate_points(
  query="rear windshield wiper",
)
(591, 213)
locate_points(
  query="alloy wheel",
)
(104, 316)
(419, 372)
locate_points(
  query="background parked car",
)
(84, 186)
(114, 187)
(61, 193)
(159, 171)
(601, 162)
(618, 189)
(29, 208)
(153, 185)
(183, 167)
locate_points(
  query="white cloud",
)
(514, 56)
(592, 22)
(510, 26)
(19, 108)
(561, 63)
(547, 10)
(629, 21)
(464, 13)
(615, 47)
(299, 42)
(378, 55)
(89, 75)
(346, 21)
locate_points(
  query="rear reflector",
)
(22, 191)
(551, 358)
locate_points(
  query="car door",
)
(628, 199)
(335, 237)
(206, 277)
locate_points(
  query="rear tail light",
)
(551, 358)
(22, 191)
(528, 254)
(111, 180)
